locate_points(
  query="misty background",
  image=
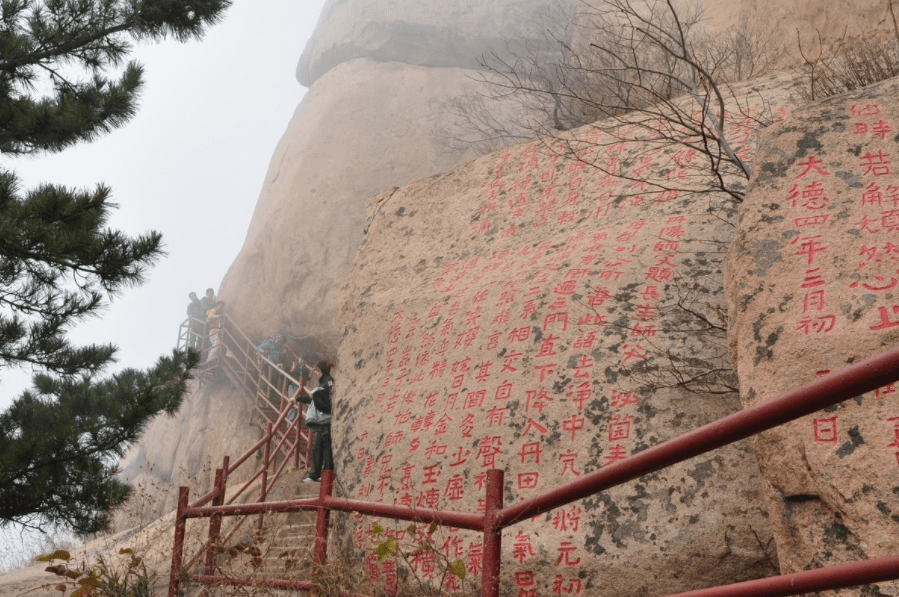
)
(190, 164)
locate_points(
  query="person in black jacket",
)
(318, 419)
(197, 317)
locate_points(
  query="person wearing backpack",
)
(318, 419)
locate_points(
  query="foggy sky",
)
(190, 164)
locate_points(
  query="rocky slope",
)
(813, 285)
(379, 72)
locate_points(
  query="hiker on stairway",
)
(207, 303)
(318, 419)
(272, 349)
(196, 316)
(215, 317)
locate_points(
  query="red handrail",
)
(865, 376)
(217, 495)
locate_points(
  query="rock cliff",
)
(531, 312)
(813, 285)
(379, 72)
(368, 123)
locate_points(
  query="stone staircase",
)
(291, 537)
(282, 550)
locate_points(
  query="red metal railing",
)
(218, 494)
(866, 376)
(225, 347)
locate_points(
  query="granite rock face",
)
(831, 19)
(355, 133)
(382, 72)
(527, 311)
(453, 33)
(366, 125)
(813, 286)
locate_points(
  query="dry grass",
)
(856, 63)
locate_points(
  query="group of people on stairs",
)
(205, 322)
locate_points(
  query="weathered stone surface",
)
(367, 126)
(355, 133)
(452, 33)
(533, 314)
(813, 286)
(831, 19)
(458, 32)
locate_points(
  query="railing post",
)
(178, 548)
(297, 434)
(308, 440)
(215, 523)
(266, 458)
(493, 535)
(320, 556)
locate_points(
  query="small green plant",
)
(128, 577)
(414, 545)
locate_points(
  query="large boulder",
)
(813, 286)
(364, 127)
(530, 312)
(452, 33)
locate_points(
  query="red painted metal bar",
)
(263, 491)
(320, 555)
(277, 475)
(178, 548)
(283, 434)
(255, 508)
(298, 433)
(196, 557)
(215, 522)
(206, 498)
(225, 461)
(298, 430)
(255, 447)
(215, 490)
(245, 485)
(493, 534)
(296, 585)
(840, 576)
(208, 544)
(452, 518)
(865, 376)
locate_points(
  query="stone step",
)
(289, 552)
(296, 528)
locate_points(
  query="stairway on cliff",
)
(281, 550)
(291, 537)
